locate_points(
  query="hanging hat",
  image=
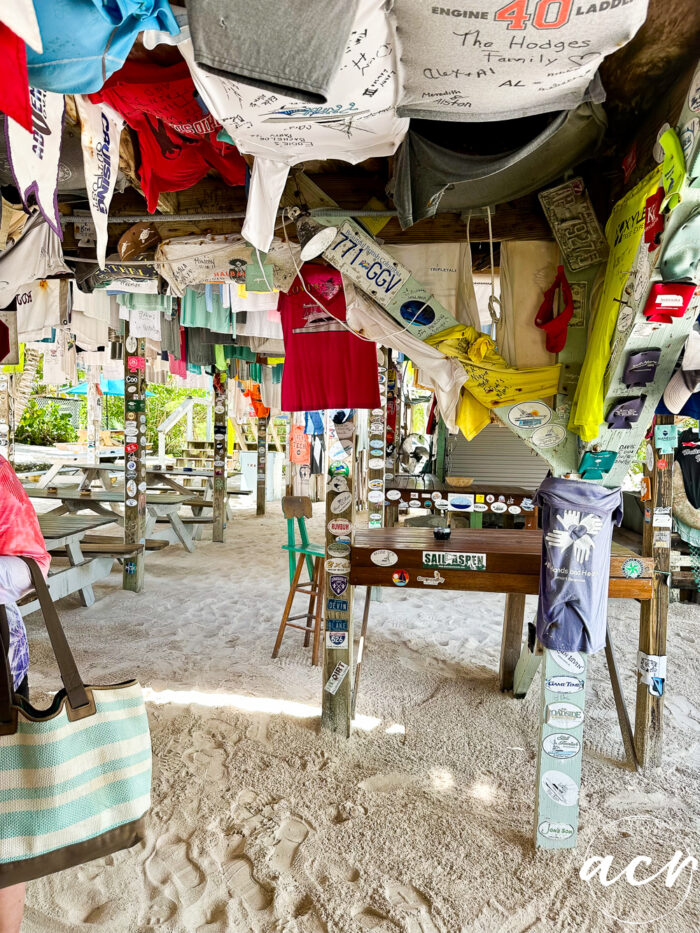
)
(686, 380)
(626, 413)
(668, 300)
(641, 368)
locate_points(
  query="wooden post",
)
(134, 456)
(7, 423)
(94, 415)
(338, 647)
(653, 616)
(220, 452)
(441, 453)
(376, 464)
(511, 641)
(560, 749)
(262, 464)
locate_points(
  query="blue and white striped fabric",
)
(63, 782)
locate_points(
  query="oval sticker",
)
(555, 830)
(338, 468)
(560, 788)
(564, 684)
(514, 509)
(499, 507)
(435, 496)
(376, 484)
(130, 502)
(384, 558)
(548, 436)
(564, 715)
(341, 502)
(480, 507)
(337, 484)
(340, 526)
(442, 504)
(338, 565)
(377, 412)
(376, 427)
(336, 549)
(393, 494)
(375, 516)
(375, 463)
(561, 745)
(570, 661)
(131, 487)
(375, 495)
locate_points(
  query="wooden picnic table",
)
(67, 531)
(159, 506)
(404, 491)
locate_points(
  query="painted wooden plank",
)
(560, 749)
(220, 450)
(653, 617)
(134, 456)
(338, 643)
(262, 464)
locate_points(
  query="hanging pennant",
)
(34, 156)
(100, 133)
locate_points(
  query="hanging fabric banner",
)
(100, 134)
(34, 156)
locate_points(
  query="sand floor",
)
(421, 823)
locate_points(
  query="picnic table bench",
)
(64, 534)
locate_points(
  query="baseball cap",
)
(686, 379)
(641, 367)
(668, 300)
(680, 256)
(626, 413)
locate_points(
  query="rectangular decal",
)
(454, 560)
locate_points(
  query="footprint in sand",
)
(404, 897)
(252, 813)
(370, 919)
(290, 835)
(209, 764)
(242, 883)
(171, 864)
(160, 911)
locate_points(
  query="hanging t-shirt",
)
(325, 365)
(502, 60)
(36, 255)
(688, 456)
(358, 122)
(177, 139)
(85, 42)
(38, 309)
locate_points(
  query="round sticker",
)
(131, 344)
(341, 502)
(549, 436)
(131, 389)
(375, 463)
(338, 468)
(143, 487)
(375, 495)
(560, 788)
(632, 568)
(499, 507)
(130, 502)
(131, 466)
(388, 476)
(417, 312)
(336, 549)
(338, 484)
(340, 526)
(560, 831)
(490, 498)
(564, 715)
(530, 415)
(561, 745)
(570, 661)
(384, 558)
(435, 496)
(338, 565)
(400, 577)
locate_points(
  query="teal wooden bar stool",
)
(299, 508)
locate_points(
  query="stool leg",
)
(315, 658)
(288, 606)
(313, 592)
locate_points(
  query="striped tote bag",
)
(75, 779)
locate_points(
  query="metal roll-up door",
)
(495, 456)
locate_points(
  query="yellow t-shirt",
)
(623, 232)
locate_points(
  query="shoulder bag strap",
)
(6, 685)
(72, 681)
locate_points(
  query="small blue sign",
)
(338, 605)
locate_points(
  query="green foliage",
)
(44, 425)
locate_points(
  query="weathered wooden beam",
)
(134, 456)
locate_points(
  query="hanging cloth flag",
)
(34, 156)
(100, 134)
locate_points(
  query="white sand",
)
(421, 823)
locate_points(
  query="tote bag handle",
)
(72, 681)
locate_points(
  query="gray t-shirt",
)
(502, 59)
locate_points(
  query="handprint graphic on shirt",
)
(577, 532)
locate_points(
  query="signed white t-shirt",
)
(503, 59)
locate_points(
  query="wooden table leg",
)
(75, 558)
(622, 714)
(181, 531)
(360, 651)
(512, 638)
